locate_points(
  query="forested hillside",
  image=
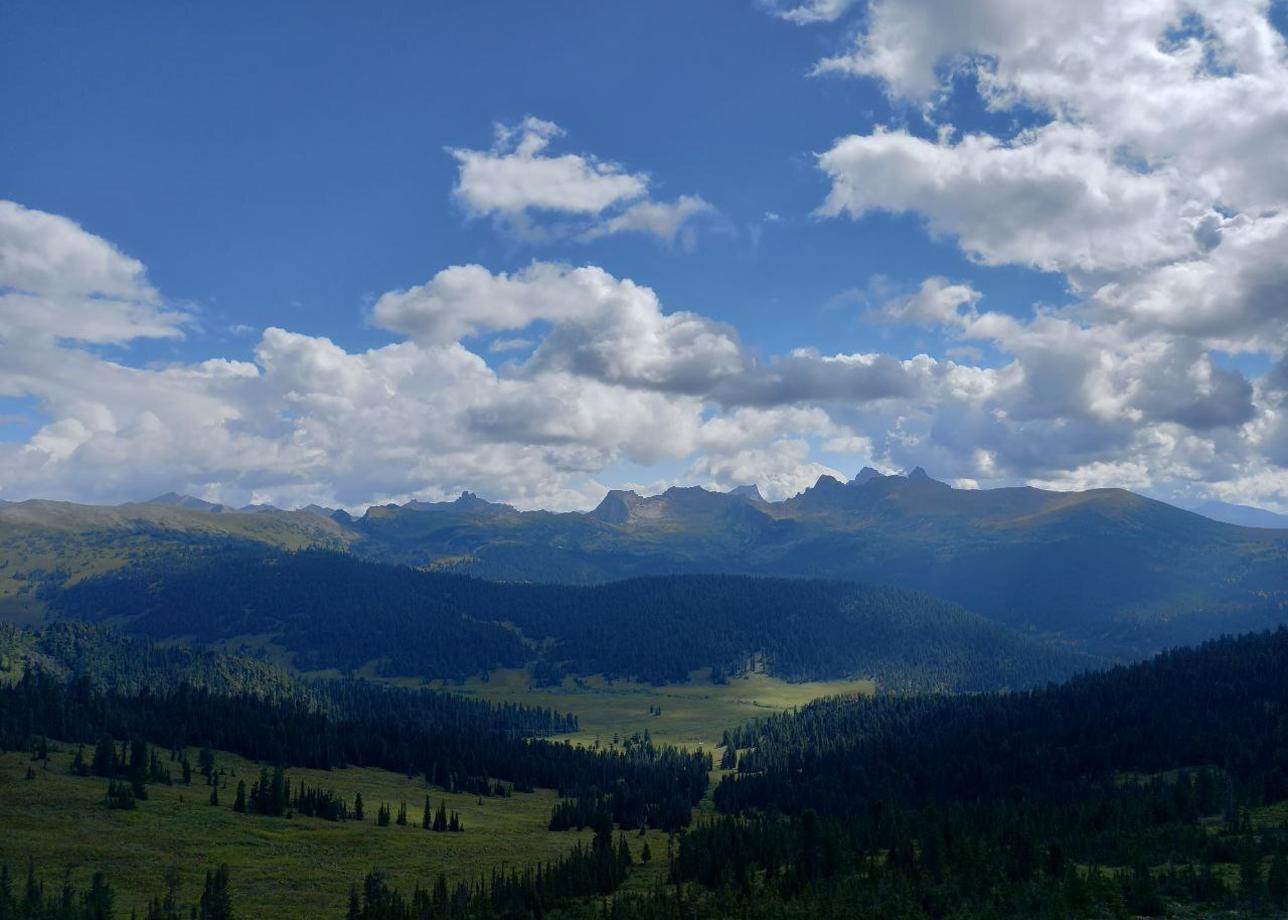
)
(997, 803)
(335, 611)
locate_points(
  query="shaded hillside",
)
(335, 611)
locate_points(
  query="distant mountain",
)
(1118, 573)
(175, 500)
(1242, 515)
(329, 611)
(1124, 574)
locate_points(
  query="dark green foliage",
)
(336, 611)
(69, 903)
(120, 795)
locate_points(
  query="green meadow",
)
(690, 715)
(281, 867)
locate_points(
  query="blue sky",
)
(288, 167)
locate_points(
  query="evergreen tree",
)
(1251, 883)
(426, 818)
(214, 794)
(1277, 881)
(104, 762)
(358, 813)
(239, 803)
(216, 902)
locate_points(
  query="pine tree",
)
(402, 814)
(1277, 881)
(355, 905)
(1251, 884)
(426, 819)
(358, 813)
(216, 903)
(206, 760)
(104, 761)
(239, 803)
(214, 795)
(98, 901)
(646, 854)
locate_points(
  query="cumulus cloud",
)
(611, 378)
(1053, 198)
(519, 182)
(1151, 184)
(58, 281)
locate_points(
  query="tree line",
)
(460, 745)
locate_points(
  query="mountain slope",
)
(1242, 515)
(47, 542)
(334, 611)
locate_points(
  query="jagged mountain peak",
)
(616, 506)
(919, 475)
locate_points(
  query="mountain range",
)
(1112, 571)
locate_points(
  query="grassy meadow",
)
(282, 868)
(691, 714)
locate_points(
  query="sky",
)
(296, 253)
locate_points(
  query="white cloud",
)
(58, 281)
(1054, 198)
(661, 219)
(937, 302)
(520, 183)
(814, 11)
(515, 176)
